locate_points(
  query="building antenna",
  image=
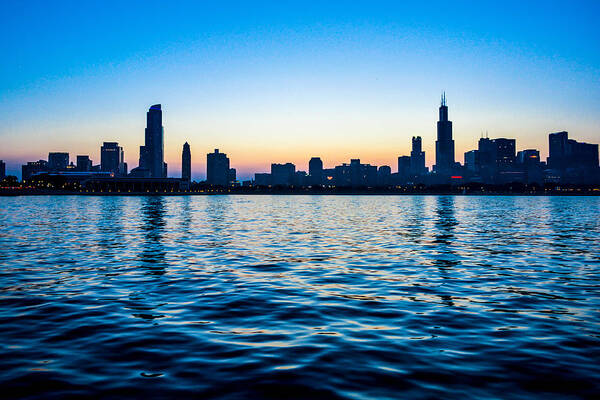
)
(443, 98)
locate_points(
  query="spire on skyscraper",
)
(444, 146)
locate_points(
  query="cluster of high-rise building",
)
(495, 161)
(151, 173)
(112, 164)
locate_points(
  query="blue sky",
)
(283, 81)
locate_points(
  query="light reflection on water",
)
(307, 296)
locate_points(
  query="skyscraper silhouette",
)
(33, 167)
(84, 163)
(444, 145)
(404, 168)
(505, 153)
(558, 145)
(417, 157)
(58, 161)
(315, 171)
(152, 153)
(111, 158)
(282, 174)
(186, 163)
(217, 168)
(568, 153)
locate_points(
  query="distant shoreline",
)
(20, 193)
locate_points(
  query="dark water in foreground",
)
(351, 297)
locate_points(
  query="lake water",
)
(354, 297)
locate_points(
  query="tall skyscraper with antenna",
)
(444, 145)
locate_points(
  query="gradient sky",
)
(283, 81)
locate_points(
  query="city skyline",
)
(338, 81)
(154, 132)
(494, 161)
(249, 167)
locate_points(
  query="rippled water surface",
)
(351, 297)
